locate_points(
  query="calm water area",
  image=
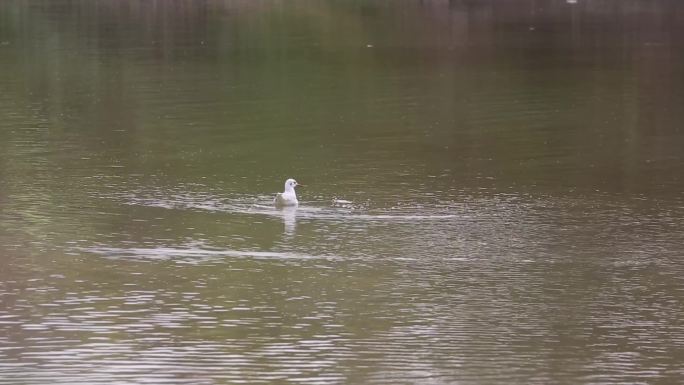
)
(494, 192)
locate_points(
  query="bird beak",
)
(299, 185)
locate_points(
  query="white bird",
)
(289, 196)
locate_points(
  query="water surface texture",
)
(494, 192)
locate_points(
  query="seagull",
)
(287, 197)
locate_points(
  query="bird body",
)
(289, 196)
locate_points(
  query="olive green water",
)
(494, 192)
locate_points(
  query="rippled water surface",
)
(493, 194)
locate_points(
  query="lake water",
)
(494, 192)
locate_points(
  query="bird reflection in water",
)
(289, 214)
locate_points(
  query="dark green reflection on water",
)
(494, 191)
